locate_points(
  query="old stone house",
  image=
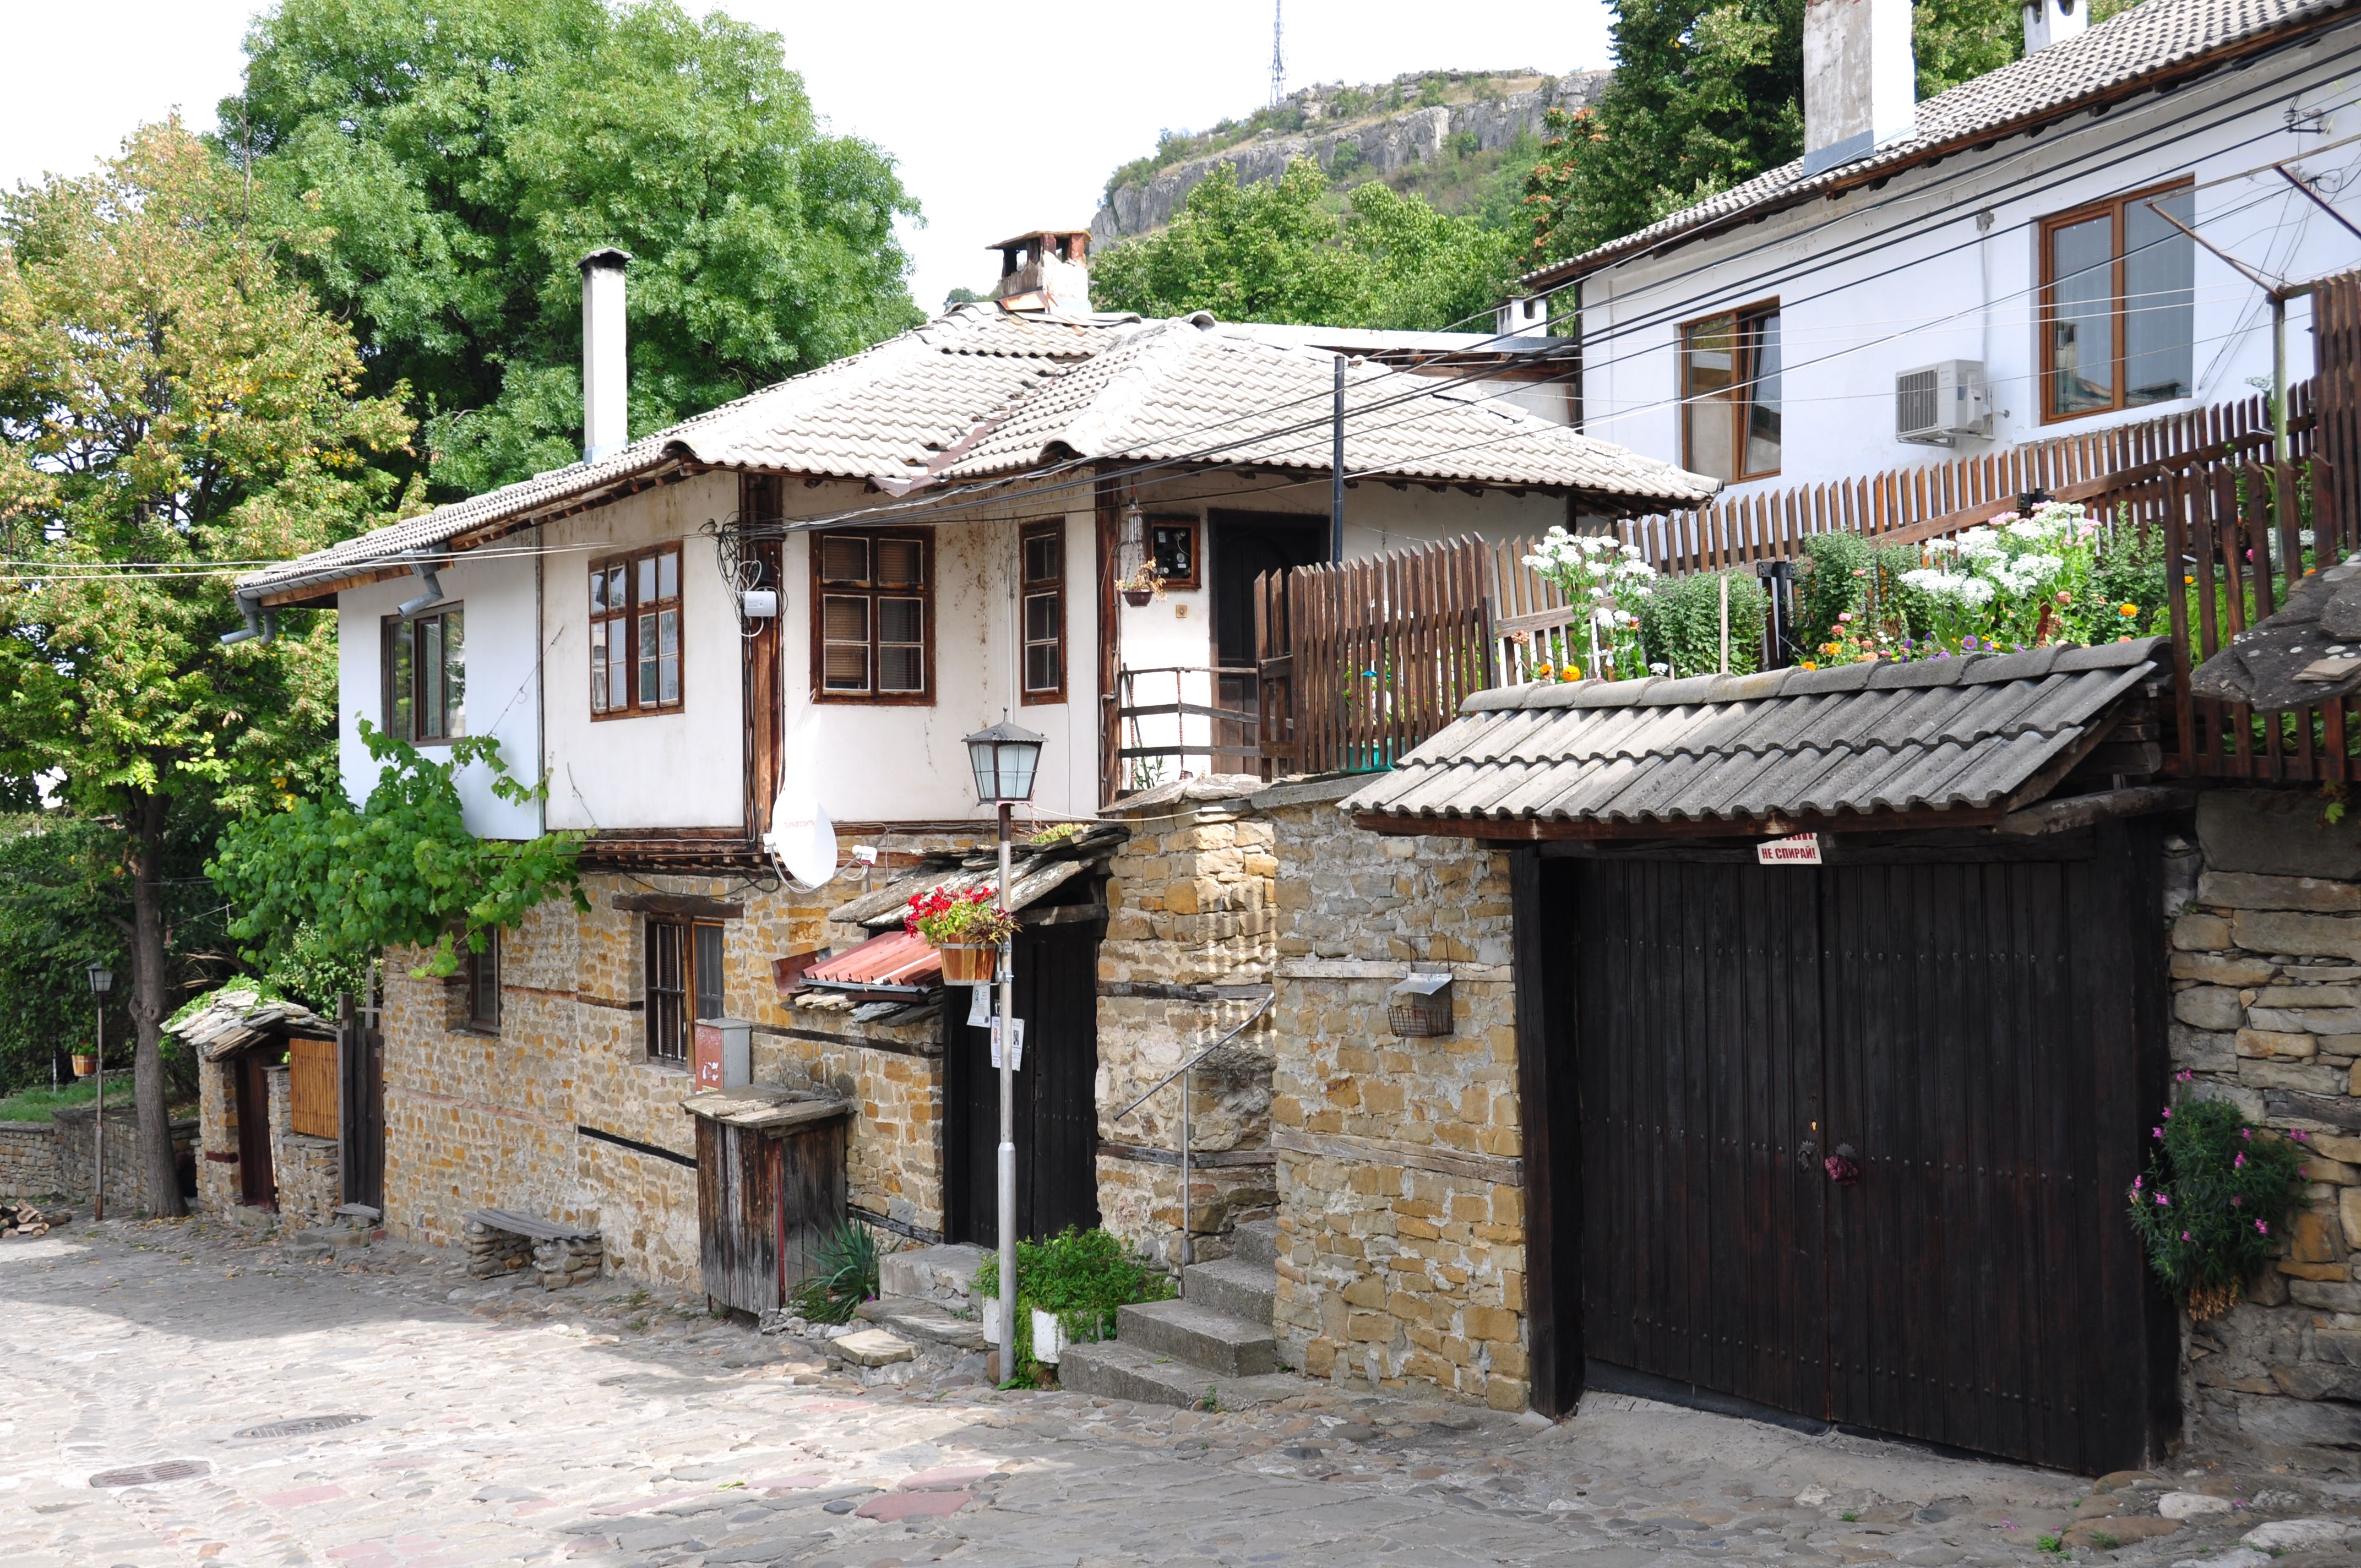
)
(744, 651)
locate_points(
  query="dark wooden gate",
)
(360, 1109)
(1980, 1025)
(1056, 1105)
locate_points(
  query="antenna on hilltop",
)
(1277, 57)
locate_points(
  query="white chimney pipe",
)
(2050, 22)
(1860, 85)
(606, 368)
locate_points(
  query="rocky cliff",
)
(1355, 135)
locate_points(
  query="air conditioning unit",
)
(1938, 405)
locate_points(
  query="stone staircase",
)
(1215, 1341)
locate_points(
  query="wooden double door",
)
(1976, 1038)
(1056, 1110)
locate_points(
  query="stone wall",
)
(310, 1179)
(29, 1159)
(1187, 952)
(1401, 1251)
(2267, 1006)
(125, 1193)
(216, 1139)
(509, 1118)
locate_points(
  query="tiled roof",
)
(1737, 751)
(2148, 41)
(1008, 392)
(1176, 388)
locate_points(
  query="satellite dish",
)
(802, 839)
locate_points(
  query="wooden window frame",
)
(1029, 589)
(480, 968)
(2045, 366)
(821, 592)
(1195, 576)
(394, 627)
(1741, 409)
(628, 618)
(659, 1001)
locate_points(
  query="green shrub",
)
(1084, 1276)
(847, 1275)
(2211, 1208)
(1680, 623)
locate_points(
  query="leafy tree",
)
(464, 155)
(1707, 96)
(1278, 252)
(165, 398)
(318, 879)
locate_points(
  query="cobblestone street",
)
(179, 1393)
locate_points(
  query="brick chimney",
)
(1860, 84)
(1048, 270)
(2050, 22)
(606, 370)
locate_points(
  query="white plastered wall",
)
(496, 596)
(1952, 290)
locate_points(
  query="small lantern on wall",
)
(1420, 1004)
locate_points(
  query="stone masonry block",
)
(2198, 933)
(2246, 890)
(2208, 1007)
(2267, 931)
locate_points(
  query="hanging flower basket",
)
(1139, 599)
(85, 1064)
(966, 927)
(964, 964)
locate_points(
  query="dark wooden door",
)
(258, 1182)
(1243, 545)
(1975, 1032)
(1056, 1108)
(1700, 1079)
(738, 1216)
(361, 1109)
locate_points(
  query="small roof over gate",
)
(232, 1019)
(1872, 745)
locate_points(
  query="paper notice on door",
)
(979, 1007)
(1016, 1063)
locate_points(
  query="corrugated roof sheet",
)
(1009, 393)
(1738, 750)
(2146, 40)
(895, 958)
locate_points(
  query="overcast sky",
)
(1002, 119)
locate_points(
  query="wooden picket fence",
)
(312, 1102)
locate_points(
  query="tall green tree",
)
(1279, 251)
(171, 408)
(1706, 96)
(464, 155)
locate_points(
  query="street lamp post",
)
(102, 981)
(1003, 758)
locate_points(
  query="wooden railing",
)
(1171, 716)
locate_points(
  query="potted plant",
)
(85, 1064)
(1142, 586)
(966, 927)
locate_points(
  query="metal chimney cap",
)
(606, 257)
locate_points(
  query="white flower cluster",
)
(2019, 558)
(1590, 557)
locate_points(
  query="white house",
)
(2043, 250)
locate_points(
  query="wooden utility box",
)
(769, 1183)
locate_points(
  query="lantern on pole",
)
(1004, 758)
(102, 981)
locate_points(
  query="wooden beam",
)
(692, 904)
(2083, 810)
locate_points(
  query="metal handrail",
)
(1188, 1240)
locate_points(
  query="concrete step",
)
(1232, 1285)
(1115, 1370)
(1223, 1345)
(1256, 1241)
(939, 1273)
(915, 1318)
